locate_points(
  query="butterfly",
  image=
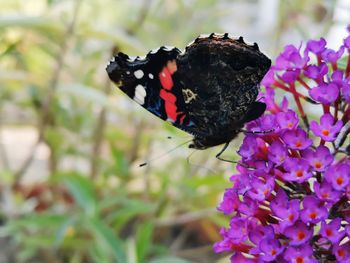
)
(209, 90)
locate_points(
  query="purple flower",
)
(316, 46)
(290, 195)
(325, 93)
(316, 72)
(332, 56)
(261, 188)
(287, 211)
(270, 249)
(297, 170)
(326, 192)
(302, 254)
(259, 233)
(327, 129)
(331, 230)
(290, 76)
(291, 58)
(265, 123)
(319, 159)
(248, 148)
(313, 211)
(342, 252)
(230, 202)
(345, 89)
(296, 139)
(287, 120)
(248, 207)
(338, 176)
(277, 152)
(298, 233)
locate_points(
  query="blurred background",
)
(70, 142)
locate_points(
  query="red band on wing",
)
(168, 97)
(165, 79)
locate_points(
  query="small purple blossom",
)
(316, 46)
(248, 147)
(277, 152)
(316, 72)
(332, 56)
(331, 231)
(302, 254)
(291, 58)
(299, 233)
(319, 159)
(230, 202)
(342, 252)
(313, 211)
(325, 192)
(270, 248)
(297, 170)
(325, 93)
(296, 139)
(338, 176)
(327, 129)
(287, 120)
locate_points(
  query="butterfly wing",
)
(153, 83)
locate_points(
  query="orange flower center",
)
(299, 173)
(318, 165)
(325, 195)
(299, 259)
(325, 132)
(340, 180)
(273, 252)
(298, 143)
(313, 215)
(301, 235)
(341, 252)
(291, 217)
(329, 232)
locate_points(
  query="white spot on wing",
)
(150, 75)
(140, 94)
(138, 74)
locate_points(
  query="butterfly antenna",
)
(165, 153)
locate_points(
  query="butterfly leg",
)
(221, 152)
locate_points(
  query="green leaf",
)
(107, 239)
(83, 192)
(144, 235)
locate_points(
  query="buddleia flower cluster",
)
(290, 199)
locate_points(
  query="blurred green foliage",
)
(90, 202)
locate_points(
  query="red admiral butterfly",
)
(209, 90)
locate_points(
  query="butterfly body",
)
(209, 90)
